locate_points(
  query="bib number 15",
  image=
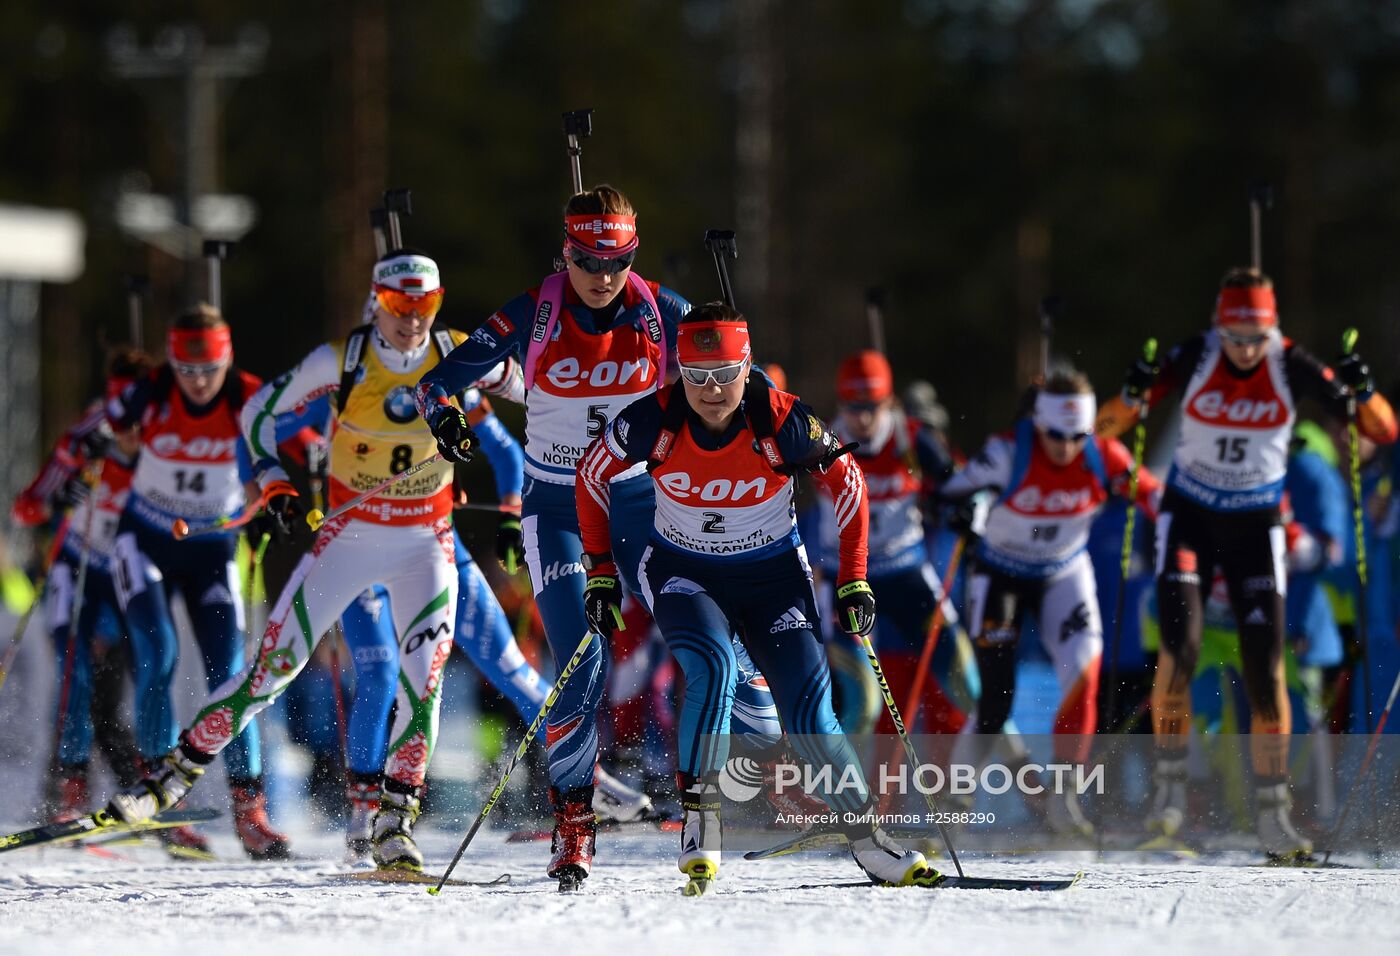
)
(1231, 451)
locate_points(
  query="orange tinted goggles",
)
(396, 302)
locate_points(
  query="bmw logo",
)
(398, 405)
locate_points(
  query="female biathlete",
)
(1051, 477)
(592, 340)
(91, 529)
(903, 462)
(724, 560)
(401, 538)
(189, 469)
(1240, 383)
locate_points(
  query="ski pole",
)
(315, 518)
(40, 591)
(496, 509)
(525, 742)
(913, 757)
(397, 202)
(1359, 530)
(181, 529)
(1149, 352)
(935, 628)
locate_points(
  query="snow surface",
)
(72, 901)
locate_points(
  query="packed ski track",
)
(76, 902)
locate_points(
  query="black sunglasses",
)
(596, 264)
(1054, 434)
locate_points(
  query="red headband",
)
(1246, 305)
(602, 234)
(200, 346)
(713, 342)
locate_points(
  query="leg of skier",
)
(211, 592)
(369, 633)
(1072, 634)
(68, 789)
(1183, 556)
(1257, 580)
(341, 564)
(424, 603)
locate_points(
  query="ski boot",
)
(1065, 816)
(163, 785)
(794, 806)
(250, 822)
(394, 847)
(701, 831)
(70, 793)
(614, 801)
(885, 861)
(363, 793)
(575, 837)
(1169, 797)
(1274, 824)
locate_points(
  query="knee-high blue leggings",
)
(549, 520)
(150, 567)
(700, 605)
(98, 622)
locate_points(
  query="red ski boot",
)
(250, 821)
(575, 837)
(70, 793)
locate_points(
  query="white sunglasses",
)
(724, 375)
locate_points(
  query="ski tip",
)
(180, 529)
(1349, 338)
(315, 518)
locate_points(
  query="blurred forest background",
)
(969, 157)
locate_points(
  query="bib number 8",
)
(401, 459)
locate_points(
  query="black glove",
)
(602, 603)
(97, 442)
(510, 544)
(855, 608)
(73, 492)
(1140, 379)
(281, 516)
(961, 517)
(1355, 374)
(454, 434)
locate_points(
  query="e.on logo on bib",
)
(198, 448)
(1059, 501)
(568, 373)
(680, 485)
(1215, 407)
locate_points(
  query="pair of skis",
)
(812, 840)
(99, 825)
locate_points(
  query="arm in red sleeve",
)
(1119, 465)
(1376, 419)
(598, 466)
(845, 482)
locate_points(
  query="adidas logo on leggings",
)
(792, 619)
